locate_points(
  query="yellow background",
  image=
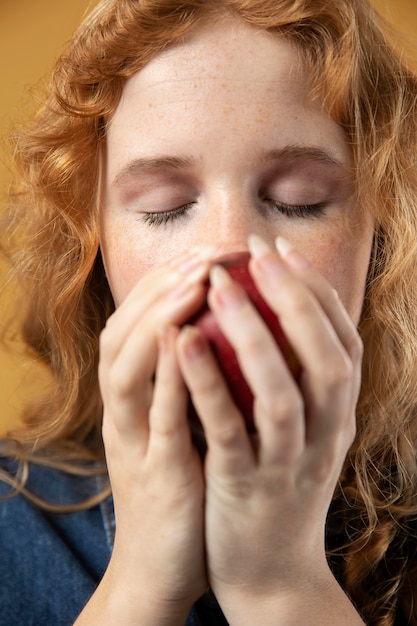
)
(32, 33)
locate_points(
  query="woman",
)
(174, 133)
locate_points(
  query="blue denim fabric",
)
(50, 564)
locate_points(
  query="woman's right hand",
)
(157, 568)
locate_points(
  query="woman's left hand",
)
(267, 495)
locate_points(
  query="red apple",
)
(237, 266)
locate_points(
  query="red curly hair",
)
(53, 245)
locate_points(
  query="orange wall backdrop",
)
(32, 33)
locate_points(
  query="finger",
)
(329, 374)
(127, 381)
(127, 371)
(278, 407)
(228, 443)
(191, 267)
(170, 436)
(330, 302)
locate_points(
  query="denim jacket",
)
(50, 564)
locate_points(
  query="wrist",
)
(317, 601)
(127, 602)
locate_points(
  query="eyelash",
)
(164, 217)
(301, 211)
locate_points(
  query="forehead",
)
(221, 48)
(228, 54)
(223, 78)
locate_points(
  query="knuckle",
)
(351, 430)
(284, 404)
(253, 345)
(121, 385)
(281, 409)
(110, 436)
(106, 342)
(356, 349)
(205, 387)
(300, 304)
(229, 435)
(337, 373)
(160, 426)
(323, 471)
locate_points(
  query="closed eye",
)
(161, 218)
(298, 210)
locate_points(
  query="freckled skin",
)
(216, 139)
(221, 98)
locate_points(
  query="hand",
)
(157, 569)
(267, 496)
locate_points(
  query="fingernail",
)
(265, 261)
(288, 252)
(283, 246)
(228, 294)
(257, 246)
(194, 344)
(219, 277)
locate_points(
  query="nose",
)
(230, 221)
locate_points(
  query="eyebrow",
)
(298, 152)
(151, 164)
(142, 165)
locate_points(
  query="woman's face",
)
(217, 138)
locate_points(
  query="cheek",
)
(124, 261)
(128, 255)
(344, 262)
(130, 250)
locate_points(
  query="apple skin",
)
(237, 266)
